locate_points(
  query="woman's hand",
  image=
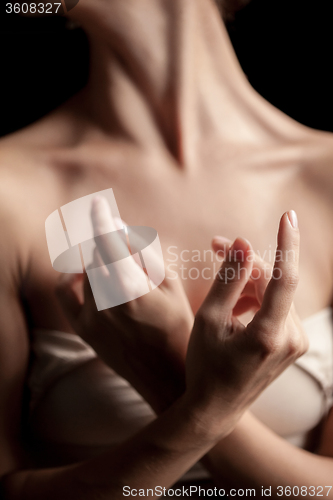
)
(228, 365)
(144, 340)
(253, 293)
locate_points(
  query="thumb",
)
(231, 279)
(261, 272)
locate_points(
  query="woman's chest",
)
(188, 208)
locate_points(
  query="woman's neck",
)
(164, 73)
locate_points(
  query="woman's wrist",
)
(207, 418)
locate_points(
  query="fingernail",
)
(293, 218)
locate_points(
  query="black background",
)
(284, 46)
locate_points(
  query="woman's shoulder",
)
(19, 177)
(28, 191)
(13, 220)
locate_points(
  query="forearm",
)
(157, 456)
(253, 456)
(159, 377)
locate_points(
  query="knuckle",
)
(296, 344)
(226, 274)
(206, 318)
(260, 326)
(295, 244)
(291, 279)
(270, 345)
(203, 317)
(275, 341)
(266, 338)
(232, 272)
(262, 341)
(302, 344)
(293, 347)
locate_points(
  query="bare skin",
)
(219, 160)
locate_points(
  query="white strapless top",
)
(299, 398)
(98, 409)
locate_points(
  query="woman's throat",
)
(165, 76)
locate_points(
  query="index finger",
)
(125, 280)
(281, 289)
